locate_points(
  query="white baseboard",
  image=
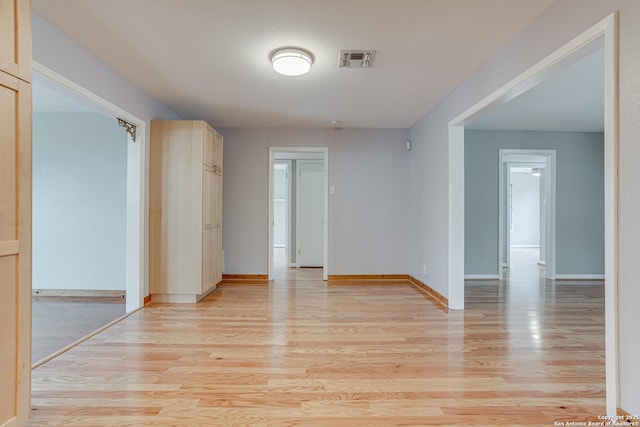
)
(480, 277)
(87, 293)
(579, 276)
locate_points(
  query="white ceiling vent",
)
(356, 58)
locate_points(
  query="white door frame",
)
(550, 208)
(325, 152)
(136, 181)
(607, 29)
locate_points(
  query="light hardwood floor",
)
(304, 352)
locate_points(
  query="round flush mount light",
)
(291, 61)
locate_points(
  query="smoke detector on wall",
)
(356, 58)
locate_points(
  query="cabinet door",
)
(217, 199)
(15, 38)
(208, 208)
(217, 255)
(15, 250)
(217, 151)
(209, 146)
(207, 259)
(208, 198)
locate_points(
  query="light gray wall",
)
(429, 197)
(579, 197)
(79, 201)
(56, 51)
(525, 202)
(368, 227)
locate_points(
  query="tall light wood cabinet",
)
(15, 38)
(15, 212)
(185, 207)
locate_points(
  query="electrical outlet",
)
(424, 268)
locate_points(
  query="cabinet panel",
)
(217, 255)
(8, 167)
(217, 151)
(217, 199)
(9, 322)
(15, 250)
(209, 147)
(15, 38)
(175, 207)
(207, 259)
(208, 198)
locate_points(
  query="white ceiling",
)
(572, 99)
(209, 59)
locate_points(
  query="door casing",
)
(272, 154)
(505, 159)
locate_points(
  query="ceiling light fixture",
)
(291, 61)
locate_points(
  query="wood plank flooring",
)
(300, 352)
(60, 321)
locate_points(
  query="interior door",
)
(310, 214)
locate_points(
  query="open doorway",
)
(87, 214)
(298, 198)
(601, 36)
(527, 212)
(525, 221)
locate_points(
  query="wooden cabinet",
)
(15, 212)
(185, 207)
(15, 38)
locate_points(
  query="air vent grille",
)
(356, 58)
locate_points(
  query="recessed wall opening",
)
(87, 215)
